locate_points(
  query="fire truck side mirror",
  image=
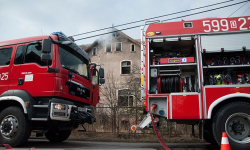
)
(101, 73)
(45, 57)
(46, 46)
(102, 81)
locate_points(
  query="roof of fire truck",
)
(53, 35)
(25, 40)
(198, 26)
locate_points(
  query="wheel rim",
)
(9, 126)
(238, 128)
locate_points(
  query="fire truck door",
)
(33, 72)
(5, 68)
(15, 70)
(95, 82)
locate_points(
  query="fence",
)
(118, 120)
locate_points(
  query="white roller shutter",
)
(230, 42)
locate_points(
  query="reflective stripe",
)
(226, 97)
(142, 80)
(224, 140)
(15, 98)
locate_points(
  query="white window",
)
(125, 67)
(94, 51)
(118, 47)
(108, 47)
(125, 97)
(132, 48)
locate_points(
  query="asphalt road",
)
(42, 144)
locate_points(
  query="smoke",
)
(108, 39)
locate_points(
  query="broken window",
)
(108, 47)
(118, 47)
(132, 48)
(125, 98)
(94, 51)
(125, 67)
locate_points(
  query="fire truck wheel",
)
(59, 136)
(234, 118)
(14, 126)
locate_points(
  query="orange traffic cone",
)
(224, 142)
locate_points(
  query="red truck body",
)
(53, 88)
(213, 79)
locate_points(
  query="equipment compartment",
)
(226, 63)
(172, 65)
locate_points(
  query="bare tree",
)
(109, 91)
(118, 101)
(133, 83)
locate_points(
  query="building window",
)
(5, 56)
(132, 48)
(108, 47)
(118, 47)
(94, 51)
(125, 67)
(125, 97)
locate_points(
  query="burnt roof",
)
(120, 33)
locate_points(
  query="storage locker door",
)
(185, 106)
(230, 42)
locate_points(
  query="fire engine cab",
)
(47, 86)
(198, 72)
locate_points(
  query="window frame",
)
(128, 97)
(97, 76)
(116, 46)
(122, 66)
(61, 47)
(94, 48)
(131, 48)
(22, 54)
(106, 48)
(25, 53)
(12, 49)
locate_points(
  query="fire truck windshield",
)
(73, 61)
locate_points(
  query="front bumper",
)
(69, 112)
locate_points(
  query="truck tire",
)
(234, 119)
(59, 136)
(15, 128)
(208, 137)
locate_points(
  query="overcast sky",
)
(25, 18)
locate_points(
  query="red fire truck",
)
(47, 86)
(198, 72)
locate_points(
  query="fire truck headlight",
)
(162, 112)
(60, 106)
